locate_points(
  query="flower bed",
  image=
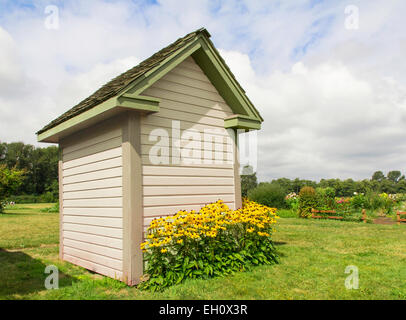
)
(215, 241)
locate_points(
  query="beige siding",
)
(206, 172)
(92, 197)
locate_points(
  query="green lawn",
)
(313, 258)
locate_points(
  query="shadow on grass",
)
(21, 274)
(279, 243)
(17, 214)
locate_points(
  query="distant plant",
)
(269, 194)
(10, 180)
(343, 204)
(248, 180)
(307, 201)
(53, 209)
(387, 203)
(292, 200)
(326, 198)
(358, 201)
(47, 197)
(382, 202)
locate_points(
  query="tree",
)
(394, 176)
(248, 180)
(40, 164)
(401, 186)
(388, 186)
(10, 180)
(378, 176)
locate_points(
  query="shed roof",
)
(115, 86)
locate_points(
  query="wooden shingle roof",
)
(114, 86)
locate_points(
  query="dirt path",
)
(384, 220)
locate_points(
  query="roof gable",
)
(125, 90)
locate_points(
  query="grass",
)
(313, 258)
(353, 215)
(24, 226)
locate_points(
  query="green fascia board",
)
(99, 109)
(147, 104)
(152, 76)
(211, 63)
(242, 122)
(140, 103)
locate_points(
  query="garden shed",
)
(157, 139)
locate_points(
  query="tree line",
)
(40, 168)
(39, 165)
(393, 182)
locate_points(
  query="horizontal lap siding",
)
(206, 172)
(92, 223)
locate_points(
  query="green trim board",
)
(202, 50)
(48, 135)
(147, 104)
(140, 85)
(220, 75)
(239, 121)
(113, 105)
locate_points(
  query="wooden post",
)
(364, 215)
(60, 175)
(236, 164)
(398, 217)
(132, 200)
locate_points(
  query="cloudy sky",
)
(329, 77)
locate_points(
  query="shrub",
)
(373, 201)
(213, 242)
(53, 209)
(387, 203)
(292, 201)
(325, 198)
(307, 201)
(269, 194)
(248, 180)
(343, 204)
(47, 197)
(10, 181)
(358, 201)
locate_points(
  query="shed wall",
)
(92, 199)
(187, 96)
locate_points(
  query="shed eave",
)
(239, 121)
(101, 112)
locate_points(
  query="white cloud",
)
(324, 121)
(333, 99)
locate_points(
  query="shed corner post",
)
(132, 199)
(236, 164)
(60, 180)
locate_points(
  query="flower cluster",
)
(211, 242)
(208, 223)
(343, 200)
(292, 195)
